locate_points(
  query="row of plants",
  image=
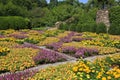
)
(19, 75)
(14, 22)
(99, 69)
(31, 36)
(72, 41)
(25, 56)
(17, 59)
(22, 55)
(85, 21)
(4, 51)
(50, 36)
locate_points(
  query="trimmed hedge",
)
(115, 20)
(13, 22)
(86, 27)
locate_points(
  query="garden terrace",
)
(26, 49)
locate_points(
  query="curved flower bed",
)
(18, 76)
(17, 59)
(45, 56)
(100, 69)
(79, 52)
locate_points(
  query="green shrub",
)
(72, 27)
(78, 27)
(115, 20)
(13, 22)
(88, 27)
(85, 27)
(101, 28)
(10, 9)
(64, 26)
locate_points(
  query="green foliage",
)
(101, 28)
(12, 10)
(53, 3)
(1, 9)
(13, 22)
(62, 12)
(31, 41)
(43, 3)
(83, 21)
(40, 28)
(115, 20)
(64, 26)
(101, 4)
(89, 27)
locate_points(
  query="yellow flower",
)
(88, 76)
(75, 69)
(93, 70)
(117, 75)
(104, 78)
(109, 77)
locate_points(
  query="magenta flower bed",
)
(85, 52)
(68, 50)
(2, 36)
(80, 52)
(48, 56)
(27, 45)
(18, 36)
(80, 39)
(54, 46)
(67, 38)
(24, 75)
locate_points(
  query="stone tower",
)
(103, 16)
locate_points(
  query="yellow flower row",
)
(48, 40)
(99, 70)
(17, 59)
(4, 49)
(102, 50)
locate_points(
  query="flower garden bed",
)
(99, 69)
(19, 50)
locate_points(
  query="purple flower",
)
(79, 34)
(78, 39)
(66, 39)
(69, 50)
(2, 36)
(24, 75)
(27, 45)
(18, 36)
(84, 52)
(54, 46)
(47, 56)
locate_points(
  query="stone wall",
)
(103, 16)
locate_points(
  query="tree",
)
(4, 1)
(101, 4)
(43, 3)
(24, 3)
(13, 10)
(72, 2)
(53, 3)
(1, 9)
